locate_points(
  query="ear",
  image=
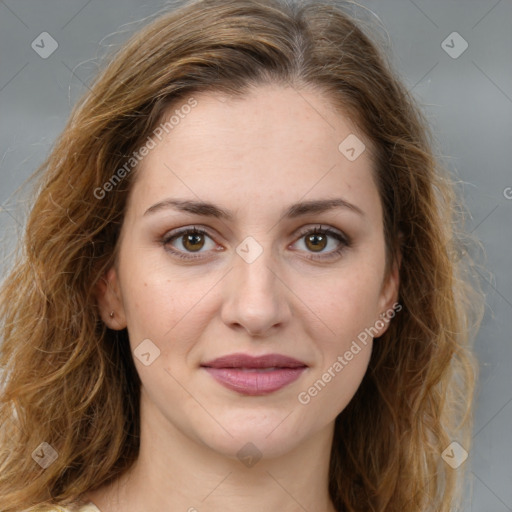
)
(388, 300)
(108, 296)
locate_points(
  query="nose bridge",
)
(253, 272)
(256, 299)
(256, 274)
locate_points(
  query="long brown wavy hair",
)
(70, 381)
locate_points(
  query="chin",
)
(262, 433)
(254, 446)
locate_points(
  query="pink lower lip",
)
(255, 381)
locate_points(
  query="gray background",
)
(467, 99)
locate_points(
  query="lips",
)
(251, 362)
(253, 376)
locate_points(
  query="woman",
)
(240, 287)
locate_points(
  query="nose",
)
(256, 298)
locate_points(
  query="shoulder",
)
(89, 507)
(47, 508)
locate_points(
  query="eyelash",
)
(345, 241)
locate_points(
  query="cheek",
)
(329, 392)
(160, 306)
(345, 349)
(343, 304)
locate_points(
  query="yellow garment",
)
(88, 507)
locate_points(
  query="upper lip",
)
(247, 361)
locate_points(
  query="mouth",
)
(254, 376)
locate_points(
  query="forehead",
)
(274, 144)
(270, 117)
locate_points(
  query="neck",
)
(175, 472)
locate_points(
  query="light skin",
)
(253, 156)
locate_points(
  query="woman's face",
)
(252, 174)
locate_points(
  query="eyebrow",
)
(211, 210)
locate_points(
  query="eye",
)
(191, 240)
(317, 239)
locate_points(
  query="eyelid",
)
(324, 229)
(177, 233)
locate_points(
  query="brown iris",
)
(317, 240)
(192, 241)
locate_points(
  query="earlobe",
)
(109, 300)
